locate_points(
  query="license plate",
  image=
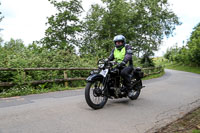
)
(104, 72)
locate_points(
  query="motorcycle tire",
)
(136, 91)
(88, 96)
(136, 95)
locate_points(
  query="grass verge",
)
(190, 123)
(154, 76)
(183, 68)
(27, 90)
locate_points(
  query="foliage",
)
(15, 55)
(189, 54)
(63, 26)
(194, 45)
(143, 22)
(160, 61)
(155, 75)
(146, 61)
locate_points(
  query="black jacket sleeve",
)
(128, 55)
(111, 57)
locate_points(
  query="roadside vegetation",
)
(185, 58)
(189, 53)
(154, 75)
(14, 54)
(190, 123)
(181, 67)
(161, 61)
(73, 42)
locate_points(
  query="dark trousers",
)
(125, 72)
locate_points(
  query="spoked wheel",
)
(94, 95)
(136, 91)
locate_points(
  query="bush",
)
(15, 55)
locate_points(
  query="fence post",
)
(65, 77)
(24, 75)
(149, 72)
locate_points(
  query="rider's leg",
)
(125, 74)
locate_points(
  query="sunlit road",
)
(162, 100)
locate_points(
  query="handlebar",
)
(101, 61)
(113, 62)
(106, 63)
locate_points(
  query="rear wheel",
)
(94, 95)
(136, 90)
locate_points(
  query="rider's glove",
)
(122, 64)
(107, 60)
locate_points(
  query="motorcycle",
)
(105, 82)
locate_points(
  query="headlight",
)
(94, 71)
(101, 66)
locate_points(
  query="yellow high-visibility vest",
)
(119, 54)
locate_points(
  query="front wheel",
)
(94, 95)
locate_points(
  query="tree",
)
(101, 25)
(15, 45)
(153, 20)
(146, 61)
(194, 45)
(143, 22)
(1, 41)
(63, 26)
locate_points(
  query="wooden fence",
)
(147, 72)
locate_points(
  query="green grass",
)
(195, 131)
(154, 76)
(181, 67)
(27, 90)
(160, 61)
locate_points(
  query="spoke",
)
(98, 100)
(93, 97)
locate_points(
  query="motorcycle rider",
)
(122, 53)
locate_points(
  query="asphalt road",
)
(162, 100)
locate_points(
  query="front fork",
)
(99, 91)
(105, 86)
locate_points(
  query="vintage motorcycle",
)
(106, 83)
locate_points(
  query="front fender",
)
(94, 77)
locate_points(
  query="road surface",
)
(162, 100)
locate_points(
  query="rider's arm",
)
(111, 57)
(129, 53)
